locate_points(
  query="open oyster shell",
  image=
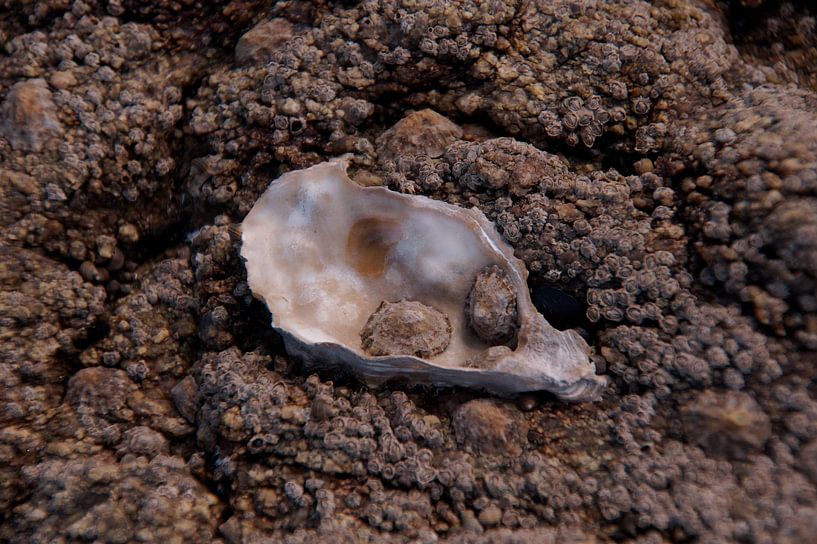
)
(323, 253)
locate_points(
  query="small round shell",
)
(406, 328)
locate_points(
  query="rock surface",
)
(654, 160)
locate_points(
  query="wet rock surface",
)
(653, 160)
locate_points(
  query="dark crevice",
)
(153, 244)
(94, 334)
(72, 361)
(220, 490)
(202, 25)
(22, 24)
(744, 20)
(260, 335)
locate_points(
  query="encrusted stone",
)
(29, 115)
(260, 42)
(488, 427)
(424, 132)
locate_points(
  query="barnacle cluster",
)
(651, 162)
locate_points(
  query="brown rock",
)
(29, 115)
(490, 515)
(62, 80)
(258, 45)
(491, 306)
(489, 427)
(425, 132)
(808, 460)
(185, 398)
(731, 423)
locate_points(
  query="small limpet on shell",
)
(406, 327)
(491, 306)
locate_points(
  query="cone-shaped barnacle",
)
(394, 286)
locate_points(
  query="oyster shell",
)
(324, 253)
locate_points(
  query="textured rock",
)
(655, 160)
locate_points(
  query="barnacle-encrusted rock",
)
(406, 327)
(108, 401)
(96, 498)
(503, 163)
(323, 252)
(491, 306)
